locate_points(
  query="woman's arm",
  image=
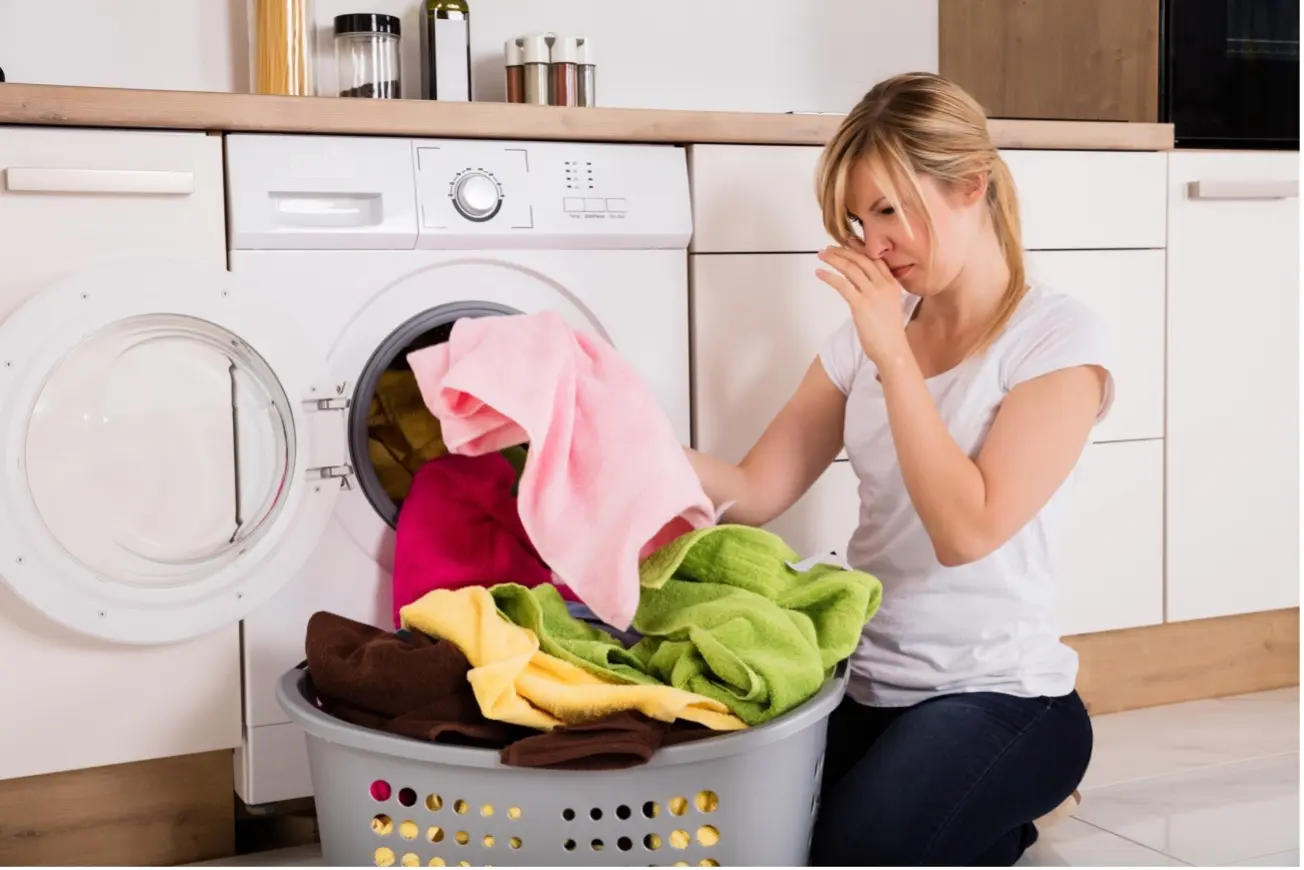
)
(971, 507)
(795, 449)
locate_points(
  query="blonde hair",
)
(921, 124)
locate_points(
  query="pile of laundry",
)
(575, 604)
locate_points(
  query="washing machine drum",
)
(391, 433)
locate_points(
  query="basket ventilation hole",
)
(437, 862)
(678, 806)
(435, 834)
(407, 797)
(569, 845)
(380, 790)
(409, 830)
(461, 807)
(410, 860)
(514, 813)
(624, 844)
(384, 857)
(382, 825)
(462, 838)
(487, 810)
(596, 845)
(708, 835)
(652, 842)
(707, 801)
(568, 815)
(708, 862)
(651, 810)
(434, 803)
(488, 841)
(623, 813)
(680, 840)
(514, 842)
(595, 814)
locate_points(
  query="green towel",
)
(543, 611)
(724, 615)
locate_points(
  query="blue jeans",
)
(953, 781)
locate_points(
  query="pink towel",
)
(459, 527)
(606, 481)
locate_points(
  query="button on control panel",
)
(476, 194)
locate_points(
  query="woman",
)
(964, 399)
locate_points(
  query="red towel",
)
(459, 527)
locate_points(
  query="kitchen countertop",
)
(57, 105)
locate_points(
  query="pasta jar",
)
(280, 47)
(367, 55)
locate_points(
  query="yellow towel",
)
(402, 434)
(515, 682)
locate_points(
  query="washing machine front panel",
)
(167, 467)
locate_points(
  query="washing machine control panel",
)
(550, 194)
(356, 193)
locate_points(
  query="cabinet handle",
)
(1269, 189)
(139, 182)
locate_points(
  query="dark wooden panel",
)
(1187, 661)
(160, 813)
(1091, 60)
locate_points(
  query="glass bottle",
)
(446, 50)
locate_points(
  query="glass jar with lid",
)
(367, 55)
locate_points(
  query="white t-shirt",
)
(988, 626)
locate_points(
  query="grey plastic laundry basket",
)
(746, 798)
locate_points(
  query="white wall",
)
(747, 55)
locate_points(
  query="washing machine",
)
(378, 246)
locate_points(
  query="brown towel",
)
(408, 685)
(618, 741)
(413, 686)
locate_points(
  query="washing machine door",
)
(167, 464)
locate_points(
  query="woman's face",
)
(924, 264)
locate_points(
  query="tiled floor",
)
(1207, 783)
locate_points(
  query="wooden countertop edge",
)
(60, 105)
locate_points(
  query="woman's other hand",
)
(874, 297)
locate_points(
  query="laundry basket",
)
(745, 798)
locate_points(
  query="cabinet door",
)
(70, 199)
(758, 322)
(1126, 288)
(1109, 553)
(1233, 383)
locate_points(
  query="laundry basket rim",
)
(293, 695)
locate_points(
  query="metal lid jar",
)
(367, 55)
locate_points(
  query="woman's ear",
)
(974, 188)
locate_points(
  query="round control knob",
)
(476, 196)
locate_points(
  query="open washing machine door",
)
(167, 451)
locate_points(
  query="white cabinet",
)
(761, 198)
(1233, 525)
(1126, 288)
(758, 322)
(1109, 553)
(71, 199)
(1089, 200)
